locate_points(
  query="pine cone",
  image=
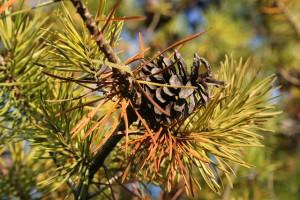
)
(175, 102)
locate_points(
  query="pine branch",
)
(122, 78)
(90, 23)
(99, 158)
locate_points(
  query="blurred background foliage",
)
(268, 31)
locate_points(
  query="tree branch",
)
(124, 85)
(124, 80)
(90, 23)
(110, 144)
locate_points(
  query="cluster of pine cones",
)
(171, 93)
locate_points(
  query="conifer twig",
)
(124, 83)
(109, 145)
(90, 23)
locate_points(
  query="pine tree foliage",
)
(20, 80)
(63, 101)
(212, 138)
